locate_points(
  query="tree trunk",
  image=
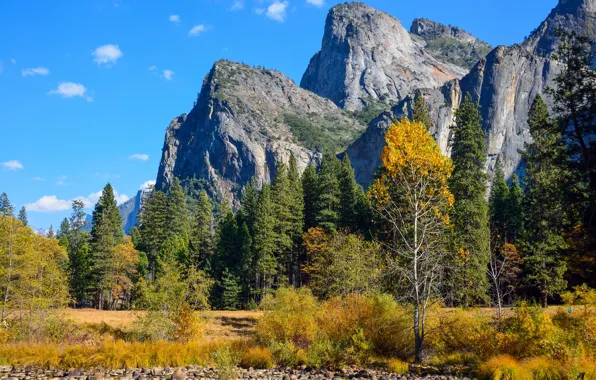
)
(419, 340)
(544, 300)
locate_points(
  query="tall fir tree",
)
(264, 240)
(106, 233)
(515, 209)
(226, 250)
(154, 229)
(420, 112)
(51, 234)
(5, 206)
(202, 235)
(23, 216)
(328, 200)
(281, 197)
(297, 220)
(310, 186)
(349, 195)
(62, 234)
(547, 176)
(498, 202)
(249, 205)
(470, 210)
(76, 240)
(178, 222)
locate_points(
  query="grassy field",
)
(220, 324)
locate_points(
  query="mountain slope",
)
(368, 57)
(244, 122)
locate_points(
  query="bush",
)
(257, 357)
(286, 354)
(226, 361)
(504, 367)
(545, 369)
(398, 367)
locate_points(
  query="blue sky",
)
(87, 88)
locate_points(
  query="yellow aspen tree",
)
(411, 202)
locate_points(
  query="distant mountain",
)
(366, 74)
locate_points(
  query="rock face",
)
(129, 211)
(450, 43)
(367, 57)
(572, 15)
(244, 122)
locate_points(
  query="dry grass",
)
(219, 324)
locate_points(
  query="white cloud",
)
(70, 90)
(197, 30)
(107, 54)
(151, 68)
(92, 198)
(277, 10)
(174, 18)
(61, 180)
(316, 3)
(237, 6)
(33, 71)
(147, 184)
(38, 179)
(12, 165)
(168, 74)
(49, 203)
(139, 156)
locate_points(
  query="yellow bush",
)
(545, 369)
(286, 354)
(290, 316)
(504, 367)
(257, 357)
(398, 367)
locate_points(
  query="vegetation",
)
(460, 53)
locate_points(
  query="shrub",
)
(398, 367)
(257, 357)
(226, 362)
(504, 367)
(324, 353)
(286, 354)
(545, 369)
(290, 316)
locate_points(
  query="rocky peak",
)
(572, 15)
(245, 121)
(450, 43)
(368, 57)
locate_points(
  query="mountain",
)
(245, 121)
(129, 211)
(367, 57)
(449, 43)
(366, 74)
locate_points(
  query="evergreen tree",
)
(547, 175)
(226, 249)
(297, 220)
(135, 237)
(178, 222)
(23, 216)
(265, 264)
(76, 241)
(498, 202)
(153, 228)
(281, 197)
(249, 205)
(328, 200)
(515, 209)
(470, 210)
(106, 233)
(231, 290)
(420, 112)
(51, 234)
(202, 237)
(349, 192)
(5, 206)
(310, 185)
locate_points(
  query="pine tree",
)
(547, 175)
(76, 240)
(420, 112)
(5, 206)
(310, 185)
(226, 250)
(297, 219)
(348, 198)
(515, 209)
(202, 237)
(249, 205)
(328, 200)
(23, 216)
(498, 202)
(265, 264)
(51, 234)
(231, 290)
(135, 236)
(470, 210)
(154, 228)
(106, 233)
(177, 245)
(281, 197)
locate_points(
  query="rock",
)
(178, 375)
(450, 43)
(368, 56)
(245, 121)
